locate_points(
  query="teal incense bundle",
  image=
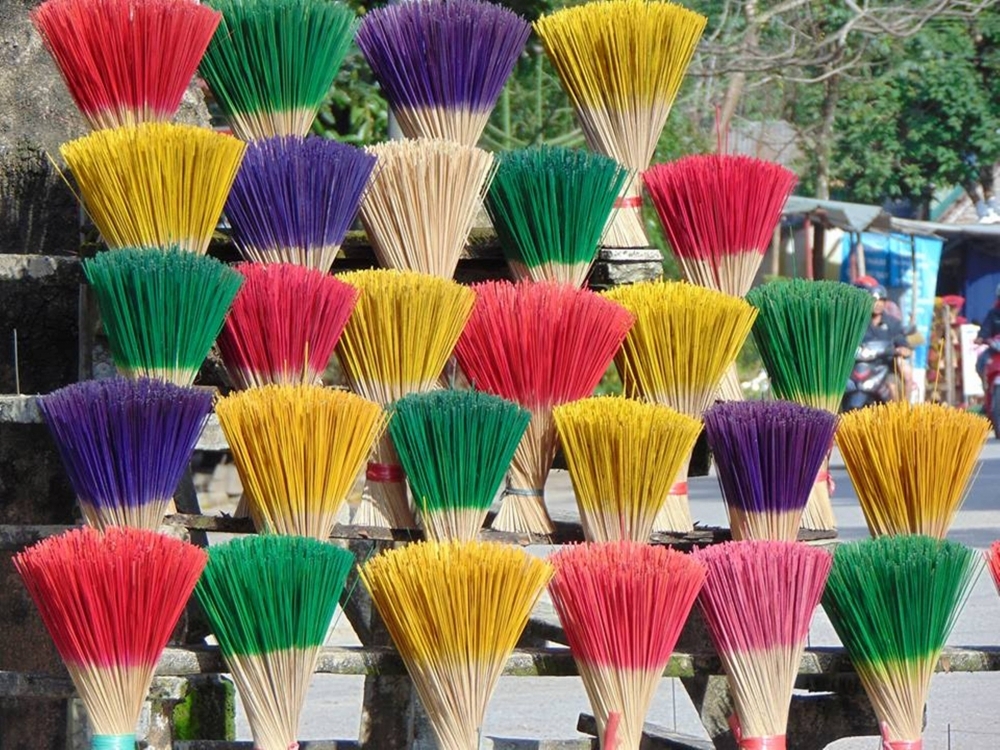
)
(161, 309)
(455, 447)
(271, 63)
(550, 206)
(893, 601)
(270, 601)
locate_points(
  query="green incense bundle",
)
(893, 601)
(808, 334)
(271, 63)
(455, 447)
(161, 309)
(270, 601)
(550, 206)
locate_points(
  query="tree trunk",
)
(824, 141)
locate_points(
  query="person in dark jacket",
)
(888, 329)
(989, 328)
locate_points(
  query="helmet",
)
(876, 290)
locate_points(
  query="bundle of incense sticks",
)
(767, 454)
(284, 324)
(270, 601)
(298, 450)
(272, 62)
(126, 62)
(758, 601)
(441, 185)
(110, 601)
(442, 63)
(539, 344)
(456, 447)
(125, 445)
(455, 611)
(161, 310)
(911, 464)
(622, 456)
(622, 606)
(294, 199)
(622, 63)
(894, 601)
(807, 333)
(397, 341)
(550, 207)
(684, 338)
(155, 185)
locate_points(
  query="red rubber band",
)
(679, 489)
(825, 476)
(385, 473)
(774, 742)
(632, 201)
(888, 744)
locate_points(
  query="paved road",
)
(967, 704)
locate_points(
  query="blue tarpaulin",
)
(890, 259)
(982, 274)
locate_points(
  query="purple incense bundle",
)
(767, 454)
(125, 445)
(442, 63)
(294, 199)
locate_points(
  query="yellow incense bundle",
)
(911, 464)
(155, 185)
(298, 450)
(455, 611)
(623, 456)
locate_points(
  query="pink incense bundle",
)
(622, 605)
(284, 324)
(538, 344)
(758, 601)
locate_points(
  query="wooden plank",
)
(655, 737)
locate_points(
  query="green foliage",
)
(161, 309)
(264, 594)
(456, 446)
(807, 333)
(894, 600)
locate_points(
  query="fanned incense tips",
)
(284, 324)
(758, 601)
(455, 612)
(155, 185)
(294, 199)
(161, 309)
(622, 606)
(911, 464)
(125, 445)
(442, 63)
(894, 601)
(298, 450)
(110, 600)
(719, 212)
(423, 201)
(623, 456)
(270, 601)
(125, 62)
(683, 340)
(550, 206)
(767, 454)
(540, 345)
(272, 62)
(808, 333)
(622, 63)
(398, 340)
(456, 447)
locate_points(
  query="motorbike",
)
(869, 382)
(991, 381)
